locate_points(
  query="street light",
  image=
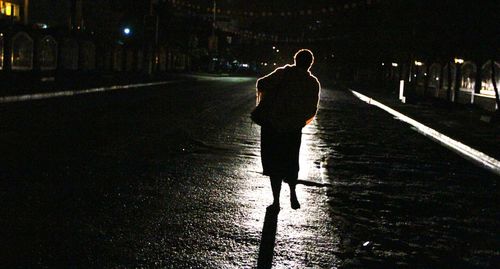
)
(127, 31)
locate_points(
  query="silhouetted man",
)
(294, 92)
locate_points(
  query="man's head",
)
(304, 59)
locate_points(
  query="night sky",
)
(364, 28)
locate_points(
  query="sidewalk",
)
(20, 84)
(464, 123)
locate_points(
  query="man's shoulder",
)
(276, 72)
(314, 79)
(283, 69)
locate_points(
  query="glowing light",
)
(465, 151)
(459, 61)
(401, 91)
(127, 31)
(418, 63)
(383, 64)
(8, 10)
(394, 64)
(487, 89)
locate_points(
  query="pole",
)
(151, 24)
(214, 17)
(26, 12)
(157, 19)
(214, 26)
(213, 39)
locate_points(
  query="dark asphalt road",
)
(168, 177)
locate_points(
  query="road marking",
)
(39, 96)
(467, 152)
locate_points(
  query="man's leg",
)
(294, 202)
(293, 176)
(276, 188)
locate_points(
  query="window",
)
(10, 9)
(420, 74)
(47, 56)
(22, 52)
(446, 75)
(468, 77)
(117, 58)
(434, 76)
(487, 82)
(88, 56)
(69, 54)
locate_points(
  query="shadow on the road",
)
(313, 184)
(266, 249)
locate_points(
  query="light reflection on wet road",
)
(400, 200)
(169, 177)
(305, 237)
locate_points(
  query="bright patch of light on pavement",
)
(469, 153)
(296, 231)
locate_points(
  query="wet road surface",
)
(169, 177)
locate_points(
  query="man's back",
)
(294, 92)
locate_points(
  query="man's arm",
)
(313, 103)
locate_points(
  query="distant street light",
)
(127, 31)
(459, 61)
